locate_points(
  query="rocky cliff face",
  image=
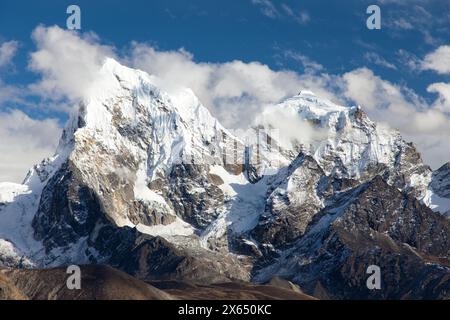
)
(372, 224)
(149, 182)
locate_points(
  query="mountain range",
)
(147, 181)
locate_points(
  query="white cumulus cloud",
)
(68, 62)
(438, 60)
(24, 142)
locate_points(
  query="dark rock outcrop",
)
(373, 224)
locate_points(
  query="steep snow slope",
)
(242, 207)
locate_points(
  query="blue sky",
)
(335, 33)
(324, 42)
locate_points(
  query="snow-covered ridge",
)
(349, 142)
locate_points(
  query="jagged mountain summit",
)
(148, 181)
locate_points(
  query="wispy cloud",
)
(309, 66)
(402, 24)
(9, 93)
(414, 16)
(378, 60)
(7, 52)
(301, 17)
(268, 9)
(408, 60)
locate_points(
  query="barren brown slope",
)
(230, 291)
(8, 291)
(106, 283)
(97, 283)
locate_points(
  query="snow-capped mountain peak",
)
(125, 135)
(343, 140)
